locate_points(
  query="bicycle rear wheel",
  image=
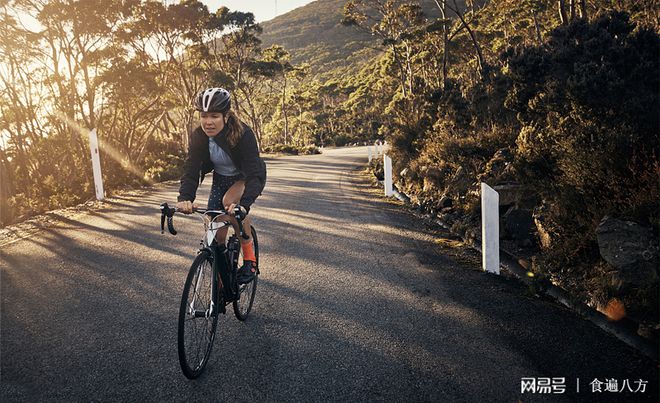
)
(243, 305)
(197, 324)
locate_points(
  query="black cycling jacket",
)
(245, 156)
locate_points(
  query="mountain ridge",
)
(314, 34)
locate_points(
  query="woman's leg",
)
(219, 188)
(233, 196)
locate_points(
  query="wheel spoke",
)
(196, 331)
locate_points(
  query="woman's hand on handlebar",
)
(185, 207)
(230, 209)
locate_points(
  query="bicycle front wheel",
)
(198, 319)
(243, 305)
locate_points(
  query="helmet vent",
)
(207, 97)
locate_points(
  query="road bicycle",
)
(210, 286)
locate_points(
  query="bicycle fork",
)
(219, 257)
(219, 263)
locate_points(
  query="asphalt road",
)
(357, 301)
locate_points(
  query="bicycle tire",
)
(196, 331)
(243, 306)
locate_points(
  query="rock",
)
(509, 193)
(519, 226)
(404, 172)
(545, 234)
(631, 249)
(636, 274)
(622, 243)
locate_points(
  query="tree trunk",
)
(6, 183)
(284, 111)
(537, 27)
(445, 42)
(300, 124)
(480, 57)
(409, 68)
(402, 71)
(583, 9)
(561, 4)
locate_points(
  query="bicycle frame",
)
(224, 264)
(221, 262)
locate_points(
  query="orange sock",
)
(248, 251)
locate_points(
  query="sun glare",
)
(105, 147)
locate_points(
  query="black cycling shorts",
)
(220, 186)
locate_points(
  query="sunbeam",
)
(106, 148)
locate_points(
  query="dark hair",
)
(235, 128)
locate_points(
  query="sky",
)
(263, 10)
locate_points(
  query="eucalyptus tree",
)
(571, 9)
(59, 77)
(174, 38)
(465, 24)
(19, 107)
(276, 64)
(398, 24)
(135, 110)
(235, 62)
(235, 50)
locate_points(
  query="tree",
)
(445, 23)
(477, 48)
(397, 24)
(240, 48)
(174, 38)
(276, 64)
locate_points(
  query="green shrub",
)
(587, 103)
(291, 149)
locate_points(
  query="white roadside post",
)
(96, 165)
(370, 156)
(490, 229)
(387, 167)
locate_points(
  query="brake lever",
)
(167, 212)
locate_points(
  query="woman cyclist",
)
(226, 146)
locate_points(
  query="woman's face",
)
(212, 123)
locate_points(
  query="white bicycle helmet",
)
(213, 100)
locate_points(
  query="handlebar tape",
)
(167, 212)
